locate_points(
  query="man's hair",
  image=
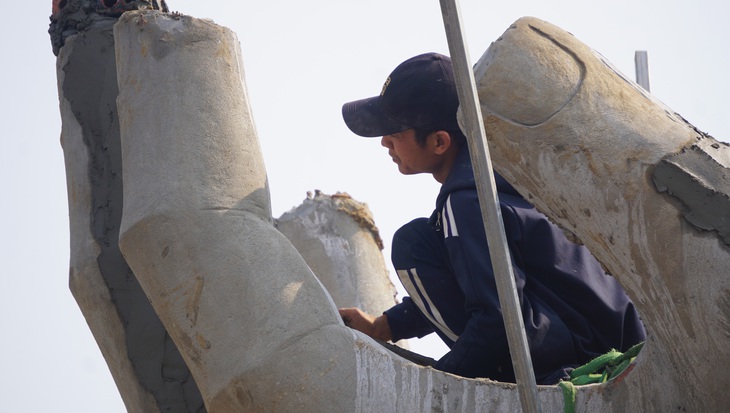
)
(457, 136)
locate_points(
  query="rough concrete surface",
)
(587, 146)
(337, 237)
(699, 177)
(143, 360)
(70, 17)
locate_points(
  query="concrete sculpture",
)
(255, 327)
(646, 191)
(337, 237)
(144, 361)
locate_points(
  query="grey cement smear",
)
(91, 87)
(71, 17)
(699, 177)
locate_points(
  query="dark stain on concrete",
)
(90, 85)
(70, 17)
(699, 177)
(192, 303)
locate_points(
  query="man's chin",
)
(406, 171)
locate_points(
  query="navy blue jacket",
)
(573, 311)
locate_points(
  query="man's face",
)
(410, 157)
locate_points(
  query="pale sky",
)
(302, 61)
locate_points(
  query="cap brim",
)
(365, 118)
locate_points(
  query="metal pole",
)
(641, 63)
(491, 215)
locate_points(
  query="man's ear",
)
(441, 141)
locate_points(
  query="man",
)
(573, 311)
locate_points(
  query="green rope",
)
(599, 370)
(568, 395)
(594, 365)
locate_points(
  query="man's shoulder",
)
(467, 198)
(460, 199)
(462, 206)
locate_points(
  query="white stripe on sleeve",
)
(419, 295)
(449, 224)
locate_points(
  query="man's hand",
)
(375, 327)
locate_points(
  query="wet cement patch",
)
(699, 177)
(90, 85)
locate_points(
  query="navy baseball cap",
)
(419, 93)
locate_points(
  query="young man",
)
(573, 311)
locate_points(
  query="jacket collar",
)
(461, 177)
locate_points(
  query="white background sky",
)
(303, 59)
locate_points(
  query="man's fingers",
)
(345, 316)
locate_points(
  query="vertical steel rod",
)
(491, 215)
(641, 63)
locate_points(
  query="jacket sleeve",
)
(481, 350)
(406, 321)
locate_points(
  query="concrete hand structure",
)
(249, 319)
(255, 326)
(145, 363)
(337, 237)
(647, 193)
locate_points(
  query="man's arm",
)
(401, 321)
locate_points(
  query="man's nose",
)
(385, 141)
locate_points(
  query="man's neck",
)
(444, 169)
